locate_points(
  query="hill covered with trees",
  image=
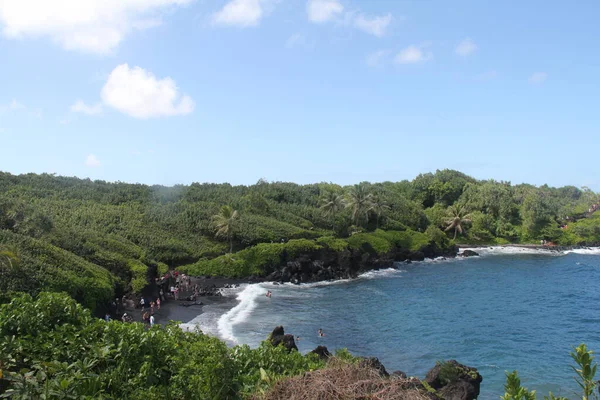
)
(95, 240)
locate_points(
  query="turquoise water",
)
(495, 313)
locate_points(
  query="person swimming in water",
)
(268, 294)
(320, 332)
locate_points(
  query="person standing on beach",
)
(151, 321)
(158, 302)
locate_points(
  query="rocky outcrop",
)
(326, 264)
(398, 375)
(469, 253)
(454, 381)
(374, 364)
(322, 352)
(446, 381)
(278, 337)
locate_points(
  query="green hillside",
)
(95, 239)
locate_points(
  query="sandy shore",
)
(174, 310)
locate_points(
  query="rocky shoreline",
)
(447, 380)
(326, 264)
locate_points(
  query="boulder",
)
(469, 253)
(454, 381)
(278, 337)
(373, 363)
(322, 352)
(398, 375)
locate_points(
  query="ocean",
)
(511, 308)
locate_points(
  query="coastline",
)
(549, 247)
(228, 302)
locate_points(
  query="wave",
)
(587, 251)
(381, 273)
(515, 250)
(241, 312)
(509, 250)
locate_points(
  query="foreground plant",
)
(586, 372)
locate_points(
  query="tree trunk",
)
(230, 244)
(455, 231)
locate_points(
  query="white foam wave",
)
(247, 302)
(381, 273)
(587, 251)
(509, 250)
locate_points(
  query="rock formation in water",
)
(278, 337)
(454, 381)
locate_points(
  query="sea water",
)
(509, 309)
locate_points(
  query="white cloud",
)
(376, 58)
(375, 26)
(320, 11)
(538, 77)
(92, 161)
(138, 93)
(412, 55)
(466, 47)
(96, 26)
(81, 107)
(242, 13)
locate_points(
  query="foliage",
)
(43, 266)
(458, 217)
(93, 239)
(225, 223)
(95, 359)
(586, 371)
(449, 372)
(513, 389)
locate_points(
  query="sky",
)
(180, 91)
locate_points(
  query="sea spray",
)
(247, 302)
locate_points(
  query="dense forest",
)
(95, 239)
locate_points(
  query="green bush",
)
(95, 359)
(332, 243)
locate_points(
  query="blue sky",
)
(180, 91)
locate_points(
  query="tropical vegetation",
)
(97, 240)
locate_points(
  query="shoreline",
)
(173, 311)
(550, 247)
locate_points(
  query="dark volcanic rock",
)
(373, 363)
(326, 264)
(322, 352)
(469, 253)
(461, 390)
(398, 375)
(278, 337)
(454, 381)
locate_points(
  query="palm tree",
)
(224, 222)
(379, 207)
(331, 204)
(9, 260)
(457, 217)
(361, 202)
